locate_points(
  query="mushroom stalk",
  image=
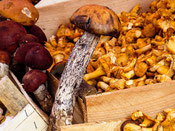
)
(4, 63)
(97, 73)
(4, 70)
(44, 98)
(62, 110)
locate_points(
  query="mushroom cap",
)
(33, 79)
(4, 57)
(22, 51)
(38, 58)
(38, 32)
(97, 19)
(10, 33)
(27, 39)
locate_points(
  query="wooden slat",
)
(103, 126)
(11, 97)
(150, 99)
(18, 84)
(27, 120)
(52, 16)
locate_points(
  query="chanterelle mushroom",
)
(95, 19)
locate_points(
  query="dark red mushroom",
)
(38, 58)
(37, 31)
(10, 33)
(34, 81)
(27, 39)
(4, 63)
(22, 51)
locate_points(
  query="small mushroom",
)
(97, 73)
(143, 49)
(4, 63)
(22, 51)
(103, 86)
(117, 83)
(34, 81)
(28, 38)
(95, 19)
(38, 58)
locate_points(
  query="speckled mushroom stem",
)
(62, 110)
(44, 98)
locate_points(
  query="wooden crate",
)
(119, 104)
(27, 114)
(114, 106)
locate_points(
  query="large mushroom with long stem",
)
(95, 20)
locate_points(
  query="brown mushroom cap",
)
(97, 19)
(33, 79)
(22, 51)
(27, 39)
(38, 58)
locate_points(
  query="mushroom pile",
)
(164, 121)
(22, 45)
(143, 54)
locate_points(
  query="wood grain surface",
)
(150, 99)
(101, 126)
(52, 16)
(11, 97)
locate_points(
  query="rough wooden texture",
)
(18, 85)
(103, 126)
(11, 97)
(150, 99)
(52, 16)
(27, 120)
(62, 111)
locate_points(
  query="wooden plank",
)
(27, 119)
(150, 99)
(11, 97)
(52, 16)
(103, 126)
(18, 84)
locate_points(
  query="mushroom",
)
(94, 19)
(38, 58)
(22, 51)
(28, 38)
(103, 86)
(4, 63)
(34, 82)
(35, 56)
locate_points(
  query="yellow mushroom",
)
(117, 83)
(103, 86)
(97, 73)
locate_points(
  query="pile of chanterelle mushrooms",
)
(143, 54)
(139, 121)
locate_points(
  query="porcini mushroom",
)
(38, 58)
(94, 19)
(4, 63)
(34, 82)
(35, 56)
(22, 51)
